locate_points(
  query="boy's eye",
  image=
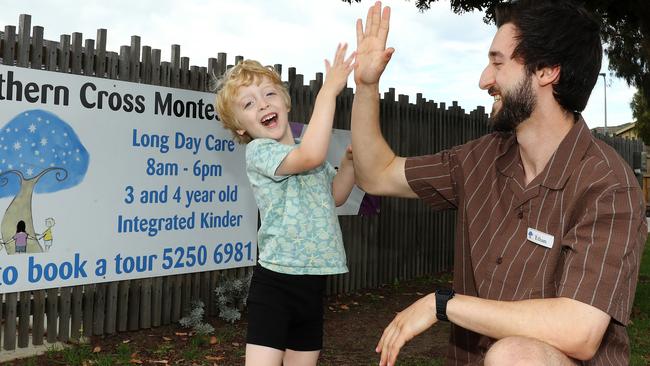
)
(248, 104)
(270, 93)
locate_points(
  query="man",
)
(550, 224)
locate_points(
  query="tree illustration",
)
(39, 152)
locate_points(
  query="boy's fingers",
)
(342, 51)
(350, 59)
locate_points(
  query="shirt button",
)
(499, 260)
(520, 214)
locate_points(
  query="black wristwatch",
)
(442, 296)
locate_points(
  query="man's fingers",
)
(376, 19)
(395, 348)
(388, 53)
(387, 348)
(384, 25)
(366, 31)
(380, 344)
(359, 32)
(386, 343)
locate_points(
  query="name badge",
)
(541, 238)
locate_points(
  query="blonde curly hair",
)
(244, 73)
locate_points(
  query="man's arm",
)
(612, 227)
(574, 328)
(377, 169)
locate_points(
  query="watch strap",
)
(442, 297)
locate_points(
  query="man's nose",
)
(487, 78)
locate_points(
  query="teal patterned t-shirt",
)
(300, 231)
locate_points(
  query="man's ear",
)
(548, 75)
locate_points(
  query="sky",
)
(438, 53)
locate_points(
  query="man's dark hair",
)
(557, 33)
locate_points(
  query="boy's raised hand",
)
(336, 73)
(372, 54)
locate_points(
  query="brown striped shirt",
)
(587, 198)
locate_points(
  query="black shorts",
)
(285, 311)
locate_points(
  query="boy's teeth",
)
(268, 118)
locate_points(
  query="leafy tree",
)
(641, 114)
(39, 152)
(625, 31)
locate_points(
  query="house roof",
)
(624, 128)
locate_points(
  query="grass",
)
(639, 327)
(72, 356)
(79, 355)
(226, 333)
(196, 349)
(422, 362)
(163, 350)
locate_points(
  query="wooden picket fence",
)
(404, 241)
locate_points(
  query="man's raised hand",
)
(372, 56)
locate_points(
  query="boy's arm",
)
(378, 170)
(312, 151)
(344, 179)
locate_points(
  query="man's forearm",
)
(371, 152)
(574, 328)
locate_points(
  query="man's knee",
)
(515, 351)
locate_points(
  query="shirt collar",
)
(563, 162)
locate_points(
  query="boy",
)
(296, 190)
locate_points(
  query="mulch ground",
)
(353, 325)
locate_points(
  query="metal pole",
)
(605, 94)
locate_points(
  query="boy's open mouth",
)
(269, 120)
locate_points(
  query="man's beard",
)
(516, 107)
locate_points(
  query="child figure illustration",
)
(20, 238)
(296, 190)
(47, 234)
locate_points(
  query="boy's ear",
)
(241, 132)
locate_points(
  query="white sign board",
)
(102, 180)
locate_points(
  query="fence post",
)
(24, 26)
